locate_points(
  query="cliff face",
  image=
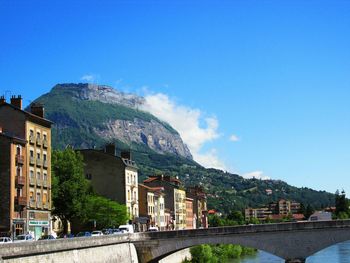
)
(86, 115)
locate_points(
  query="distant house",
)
(321, 216)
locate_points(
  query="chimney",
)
(37, 109)
(16, 101)
(126, 155)
(2, 99)
(110, 149)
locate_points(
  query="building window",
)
(18, 171)
(128, 194)
(45, 176)
(18, 150)
(31, 215)
(31, 174)
(38, 198)
(31, 153)
(38, 135)
(44, 198)
(38, 156)
(31, 195)
(38, 175)
(88, 176)
(128, 179)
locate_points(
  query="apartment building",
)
(113, 176)
(174, 195)
(190, 218)
(180, 208)
(200, 210)
(30, 134)
(151, 206)
(259, 213)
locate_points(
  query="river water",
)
(339, 253)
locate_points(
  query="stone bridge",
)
(293, 242)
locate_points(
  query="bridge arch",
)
(293, 242)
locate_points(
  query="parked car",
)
(62, 235)
(24, 238)
(107, 231)
(96, 233)
(116, 231)
(4, 240)
(47, 237)
(153, 228)
(126, 229)
(83, 234)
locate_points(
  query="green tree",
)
(215, 221)
(106, 213)
(202, 254)
(341, 205)
(236, 216)
(69, 187)
(309, 211)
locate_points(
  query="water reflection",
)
(339, 253)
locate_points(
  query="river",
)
(339, 253)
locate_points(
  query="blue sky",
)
(276, 74)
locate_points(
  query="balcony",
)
(21, 200)
(45, 163)
(31, 139)
(45, 143)
(32, 203)
(20, 180)
(38, 182)
(38, 141)
(39, 162)
(31, 160)
(31, 180)
(19, 159)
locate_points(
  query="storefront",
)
(37, 228)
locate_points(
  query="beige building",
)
(180, 208)
(259, 213)
(33, 164)
(151, 206)
(113, 176)
(190, 219)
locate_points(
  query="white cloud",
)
(187, 121)
(234, 138)
(90, 78)
(256, 175)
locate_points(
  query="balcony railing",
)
(45, 143)
(45, 163)
(38, 141)
(39, 162)
(21, 200)
(31, 160)
(20, 180)
(31, 139)
(19, 159)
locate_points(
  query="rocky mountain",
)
(89, 115)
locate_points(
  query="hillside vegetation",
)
(77, 119)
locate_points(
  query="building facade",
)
(190, 219)
(32, 165)
(200, 210)
(114, 177)
(180, 208)
(171, 186)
